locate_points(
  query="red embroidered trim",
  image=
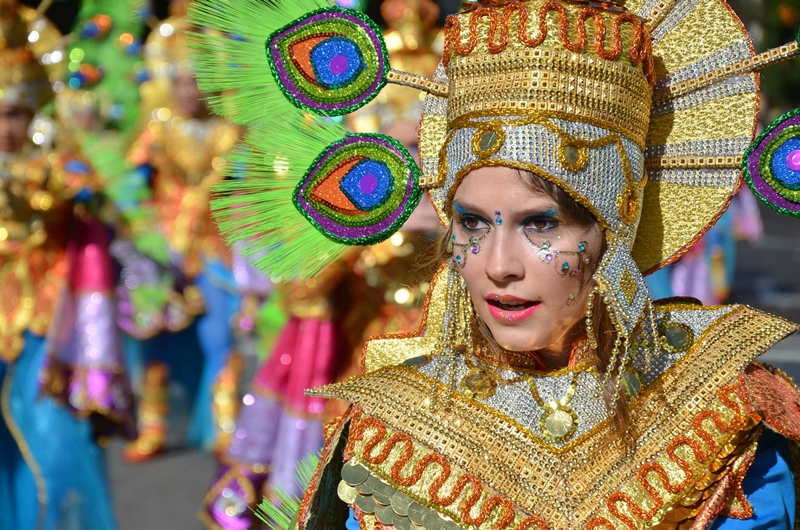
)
(640, 50)
(308, 496)
(747, 509)
(434, 491)
(653, 467)
(714, 504)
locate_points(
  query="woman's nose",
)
(505, 260)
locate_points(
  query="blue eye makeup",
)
(470, 222)
(542, 222)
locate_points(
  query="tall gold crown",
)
(575, 59)
(560, 89)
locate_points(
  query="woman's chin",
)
(515, 341)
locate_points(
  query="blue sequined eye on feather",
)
(331, 61)
(360, 190)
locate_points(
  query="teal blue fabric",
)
(71, 464)
(769, 486)
(215, 334)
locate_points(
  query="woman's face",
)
(14, 122)
(527, 274)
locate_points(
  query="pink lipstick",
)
(508, 308)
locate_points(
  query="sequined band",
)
(715, 76)
(426, 84)
(656, 13)
(585, 87)
(694, 162)
(674, 15)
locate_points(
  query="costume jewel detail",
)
(771, 165)
(331, 61)
(360, 190)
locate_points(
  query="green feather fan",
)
(279, 514)
(256, 207)
(274, 66)
(230, 57)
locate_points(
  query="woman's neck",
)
(573, 350)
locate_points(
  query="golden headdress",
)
(167, 47)
(640, 112)
(565, 90)
(30, 57)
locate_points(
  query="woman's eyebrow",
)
(464, 209)
(540, 212)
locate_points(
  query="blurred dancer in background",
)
(180, 156)
(707, 271)
(57, 327)
(378, 289)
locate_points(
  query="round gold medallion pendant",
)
(558, 422)
(478, 384)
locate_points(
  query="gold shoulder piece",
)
(391, 350)
(743, 332)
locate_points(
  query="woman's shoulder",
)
(719, 347)
(688, 337)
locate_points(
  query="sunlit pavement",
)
(166, 493)
(163, 494)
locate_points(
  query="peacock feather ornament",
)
(771, 165)
(286, 70)
(687, 110)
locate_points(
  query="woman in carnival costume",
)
(57, 321)
(188, 336)
(569, 148)
(378, 289)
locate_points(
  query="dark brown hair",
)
(604, 329)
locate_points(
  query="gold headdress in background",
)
(414, 45)
(30, 56)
